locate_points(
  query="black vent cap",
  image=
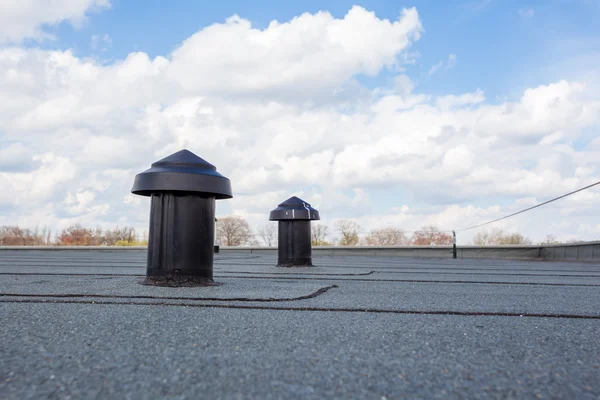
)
(296, 209)
(182, 172)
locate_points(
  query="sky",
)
(387, 113)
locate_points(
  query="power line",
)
(530, 208)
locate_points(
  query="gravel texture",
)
(82, 351)
(78, 325)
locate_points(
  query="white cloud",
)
(313, 51)
(15, 157)
(450, 63)
(449, 101)
(526, 13)
(79, 202)
(30, 189)
(101, 42)
(434, 68)
(26, 19)
(279, 111)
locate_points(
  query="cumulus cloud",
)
(449, 101)
(264, 106)
(314, 52)
(15, 157)
(26, 19)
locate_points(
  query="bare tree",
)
(431, 235)
(387, 237)
(13, 235)
(234, 231)
(499, 237)
(42, 237)
(349, 231)
(318, 234)
(268, 234)
(75, 235)
(514, 238)
(37, 238)
(118, 236)
(488, 238)
(549, 239)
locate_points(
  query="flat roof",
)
(77, 324)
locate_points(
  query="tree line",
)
(236, 231)
(74, 235)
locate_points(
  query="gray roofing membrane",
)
(77, 324)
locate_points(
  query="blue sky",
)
(501, 47)
(475, 109)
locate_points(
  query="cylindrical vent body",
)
(182, 236)
(294, 243)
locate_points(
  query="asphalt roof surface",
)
(76, 324)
